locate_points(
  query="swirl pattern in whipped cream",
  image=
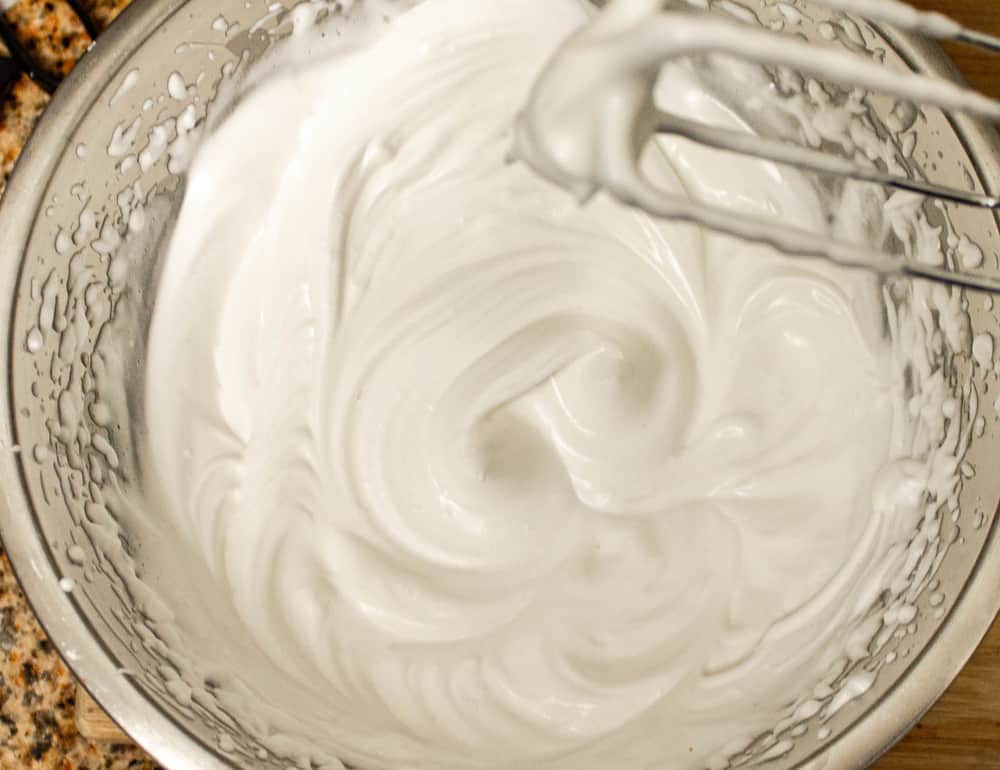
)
(491, 479)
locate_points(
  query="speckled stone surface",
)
(53, 37)
(18, 113)
(103, 12)
(50, 32)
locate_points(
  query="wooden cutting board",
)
(962, 732)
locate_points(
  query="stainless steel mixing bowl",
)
(48, 531)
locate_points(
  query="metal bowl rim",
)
(91, 662)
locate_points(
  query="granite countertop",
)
(38, 694)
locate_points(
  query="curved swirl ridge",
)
(484, 471)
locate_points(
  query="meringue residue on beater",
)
(471, 476)
(601, 99)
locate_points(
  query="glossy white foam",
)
(475, 477)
